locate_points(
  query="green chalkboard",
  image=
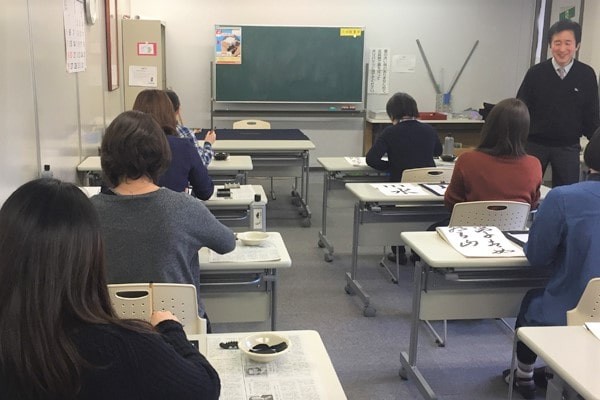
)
(294, 64)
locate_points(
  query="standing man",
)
(562, 97)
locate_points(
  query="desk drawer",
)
(384, 224)
(237, 306)
(439, 279)
(253, 218)
(236, 296)
(471, 303)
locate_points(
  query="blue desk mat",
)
(256, 134)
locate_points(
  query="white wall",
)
(48, 115)
(447, 31)
(73, 109)
(589, 52)
(18, 147)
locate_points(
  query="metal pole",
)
(435, 84)
(463, 67)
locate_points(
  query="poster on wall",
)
(74, 24)
(379, 71)
(228, 45)
(143, 76)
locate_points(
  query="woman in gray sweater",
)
(151, 234)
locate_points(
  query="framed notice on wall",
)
(146, 49)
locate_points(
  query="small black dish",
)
(448, 157)
(221, 156)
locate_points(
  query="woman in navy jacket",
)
(186, 165)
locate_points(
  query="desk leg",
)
(352, 284)
(271, 276)
(323, 242)
(409, 361)
(241, 177)
(301, 199)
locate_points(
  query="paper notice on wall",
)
(379, 71)
(144, 76)
(404, 63)
(74, 24)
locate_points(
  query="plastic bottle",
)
(448, 145)
(47, 172)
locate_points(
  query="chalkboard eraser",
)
(348, 108)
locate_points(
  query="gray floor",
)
(365, 351)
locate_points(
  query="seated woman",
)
(205, 150)
(186, 165)
(408, 144)
(151, 234)
(565, 239)
(60, 337)
(499, 169)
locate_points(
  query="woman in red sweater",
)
(499, 168)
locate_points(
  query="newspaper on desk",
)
(479, 241)
(400, 189)
(266, 251)
(291, 376)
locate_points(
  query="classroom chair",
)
(414, 175)
(588, 307)
(251, 124)
(138, 300)
(505, 215)
(586, 310)
(427, 175)
(255, 124)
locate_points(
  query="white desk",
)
(273, 158)
(235, 168)
(573, 355)
(241, 211)
(465, 131)
(242, 291)
(379, 220)
(305, 372)
(339, 169)
(246, 208)
(449, 286)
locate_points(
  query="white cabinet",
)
(144, 57)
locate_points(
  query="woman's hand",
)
(210, 137)
(160, 316)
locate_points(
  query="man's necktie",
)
(561, 72)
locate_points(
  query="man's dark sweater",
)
(561, 110)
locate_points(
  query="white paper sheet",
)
(479, 241)
(266, 251)
(357, 161)
(593, 327)
(437, 188)
(400, 189)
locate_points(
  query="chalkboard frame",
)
(330, 73)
